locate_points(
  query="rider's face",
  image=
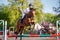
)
(30, 6)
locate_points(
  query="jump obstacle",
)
(36, 35)
(2, 31)
(31, 35)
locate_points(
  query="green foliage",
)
(58, 17)
(10, 14)
(39, 14)
(50, 17)
(3, 14)
(15, 12)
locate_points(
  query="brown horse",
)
(28, 20)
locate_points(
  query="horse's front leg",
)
(24, 30)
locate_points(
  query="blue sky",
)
(3, 2)
(47, 5)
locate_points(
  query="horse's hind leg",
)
(17, 29)
(22, 31)
(20, 36)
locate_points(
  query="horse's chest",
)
(22, 25)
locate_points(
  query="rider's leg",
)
(22, 16)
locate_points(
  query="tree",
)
(50, 17)
(58, 17)
(39, 14)
(15, 11)
(10, 13)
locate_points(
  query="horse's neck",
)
(29, 15)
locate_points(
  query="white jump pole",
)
(57, 28)
(5, 30)
(3, 37)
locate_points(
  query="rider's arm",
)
(26, 11)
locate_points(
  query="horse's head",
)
(32, 12)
